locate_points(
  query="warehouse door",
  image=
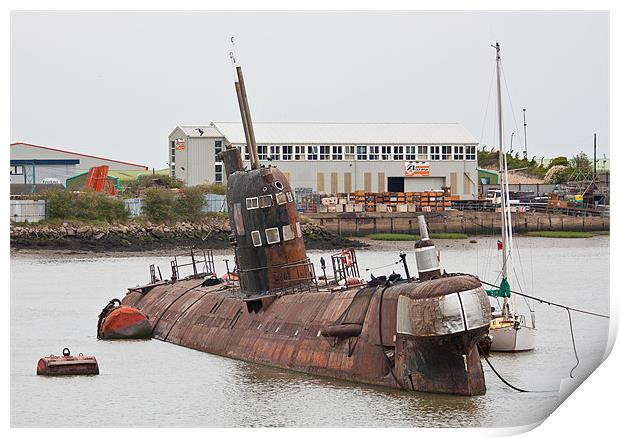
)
(396, 184)
(422, 184)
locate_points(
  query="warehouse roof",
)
(347, 133)
(75, 153)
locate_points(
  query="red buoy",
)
(117, 321)
(67, 365)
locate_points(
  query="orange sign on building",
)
(417, 168)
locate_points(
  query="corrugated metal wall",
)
(23, 210)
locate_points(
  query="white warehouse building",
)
(337, 157)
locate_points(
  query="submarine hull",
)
(382, 343)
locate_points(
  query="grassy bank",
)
(407, 237)
(562, 234)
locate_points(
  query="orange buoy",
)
(67, 365)
(117, 321)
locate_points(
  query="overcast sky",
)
(115, 84)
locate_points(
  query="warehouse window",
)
(300, 152)
(336, 152)
(262, 152)
(218, 173)
(313, 153)
(246, 153)
(17, 170)
(287, 153)
(324, 152)
(281, 198)
(410, 153)
(470, 152)
(273, 235)
(274, 152)
(435, 153)
(288, 232)
(422, 152)
(386, 152)
(398, 152)
(265, 201)
(373, 153)
(362, 152)
(251, 203)
(218, 148)
(458, 152)
(349, 152)
(256, 240)
(446, 152)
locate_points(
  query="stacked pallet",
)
(387, 202)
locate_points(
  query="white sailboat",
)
(510, 331)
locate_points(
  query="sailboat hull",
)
(511, 339)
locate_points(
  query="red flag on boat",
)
(500, 245)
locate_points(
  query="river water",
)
(55, 300)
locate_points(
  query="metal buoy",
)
(117, 321)
(67, 365)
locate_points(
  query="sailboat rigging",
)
(509, 330)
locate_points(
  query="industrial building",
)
(338, 157)
(35, 164)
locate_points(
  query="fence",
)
(27, 210)
(134, 206)
(213, 203)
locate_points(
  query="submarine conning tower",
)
(426, 254)
(265, 229)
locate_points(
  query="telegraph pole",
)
(594, 176)
(524, 134)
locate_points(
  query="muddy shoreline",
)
(148, 238)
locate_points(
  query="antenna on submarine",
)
(244, 109)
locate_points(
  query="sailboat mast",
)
(502, 163)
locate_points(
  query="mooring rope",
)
(572, 335)
(486, 358)
(540, 300)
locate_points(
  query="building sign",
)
(417, 168)
(179, 144)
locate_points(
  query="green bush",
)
(88, 205)
(159, 204)
(559, 161)
(188, 205)
(217, 188)
(61, 204)
(159, 181)
(93, 205)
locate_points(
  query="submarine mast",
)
(265, 228)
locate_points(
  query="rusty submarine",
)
(405, 332)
